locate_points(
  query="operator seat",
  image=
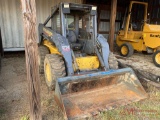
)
(71, 36)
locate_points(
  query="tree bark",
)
(31, 53)
(112, 24)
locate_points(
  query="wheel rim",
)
(124, 50)
(157, 58)
(48, 72)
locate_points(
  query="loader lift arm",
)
(61, 43)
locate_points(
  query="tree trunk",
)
(31, 52)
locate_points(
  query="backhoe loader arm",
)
(60, 42)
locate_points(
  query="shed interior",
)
(104, 10)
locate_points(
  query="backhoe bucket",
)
(87, 95)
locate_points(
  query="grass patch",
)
(2, 114)
(25, 117)
(2, 111)
(146, 109)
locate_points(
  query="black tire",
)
(43, 50)
(113, 64)
(156, 58)
(129, 50)
(54, 68)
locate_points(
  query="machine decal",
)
(151, 35)
(66, 48)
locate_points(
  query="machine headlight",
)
(66, 5)
(94, 8)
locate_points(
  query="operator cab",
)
(79, 26)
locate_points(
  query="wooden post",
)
(31, 52)
(112, 24)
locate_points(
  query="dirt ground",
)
(14, 102)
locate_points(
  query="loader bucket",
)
(87, 95)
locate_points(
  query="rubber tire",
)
(57, 68)
(130, 49)
(113, 64)
(153, 58)
(43, 50)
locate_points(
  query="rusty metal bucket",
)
(86, 95)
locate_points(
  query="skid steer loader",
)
(139, 36)
(79, 67)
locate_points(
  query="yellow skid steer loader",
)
(79, 67)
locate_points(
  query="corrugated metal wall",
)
(43, 9)
(11, 24)
(11, 20)
(105, 26)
